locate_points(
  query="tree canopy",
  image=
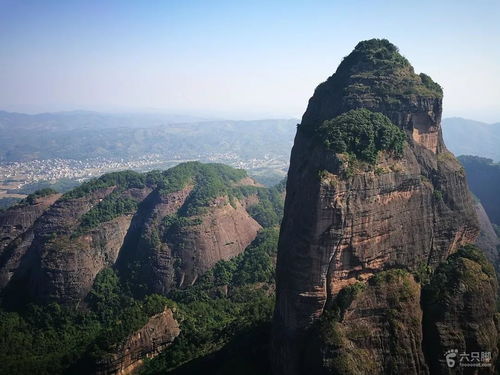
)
(362, 133)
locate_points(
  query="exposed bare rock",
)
(175, 256)
(157, 335)
(155, 255)
(343, 222)
(160, 230)
(50, 263)
(17, 219)
(68, 266)
(379, 330)
(224, 232)
(16, 233)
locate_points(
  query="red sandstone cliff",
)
(345, 223)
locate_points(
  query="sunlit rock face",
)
(147, 342)
(344, 222)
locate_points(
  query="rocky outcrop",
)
(222, 233)
(68, 266)
(52, 261)
(387, 326)
(160, 230)
(15, 233)
(19, 218)
(460, 334)
(149, 341)
(375, 328)
(177, 249)
(346, 219)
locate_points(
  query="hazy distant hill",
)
(81, 135)
(88, 119)
(468, 137)
(483, 177)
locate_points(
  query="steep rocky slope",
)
(149, 341)
(161, 230)
(459, 307)
(16, 233)
(371, 186)
(487, 240)
(380, 330)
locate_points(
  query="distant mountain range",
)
(82, 135)
(483, 177)
(469, 137)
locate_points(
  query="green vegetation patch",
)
(256, 264)
(112, 206)
(211, 181)
(31, 199)
(467, 266)
(54, 339)
(229, 301)
(269, 210)
(124, 179)
(362, 133)
(226, 306)
(376, 67)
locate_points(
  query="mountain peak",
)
(379, 53)
(371, 187)
(373, 76)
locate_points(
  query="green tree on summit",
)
(362, 133)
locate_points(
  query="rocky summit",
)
(371, 189)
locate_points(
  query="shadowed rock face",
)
(49, 262)
(344, 224)
(487, 240)
(16, 235)
(380, 331)
(459, 306)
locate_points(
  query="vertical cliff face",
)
(350, 214)
(174, 250)
(379, 333)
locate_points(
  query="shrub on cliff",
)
(31, 199)
(362, 133)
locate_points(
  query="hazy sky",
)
(237, 59)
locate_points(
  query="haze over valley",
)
(62, 150)
(255, 188)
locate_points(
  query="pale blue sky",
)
(238, 59)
